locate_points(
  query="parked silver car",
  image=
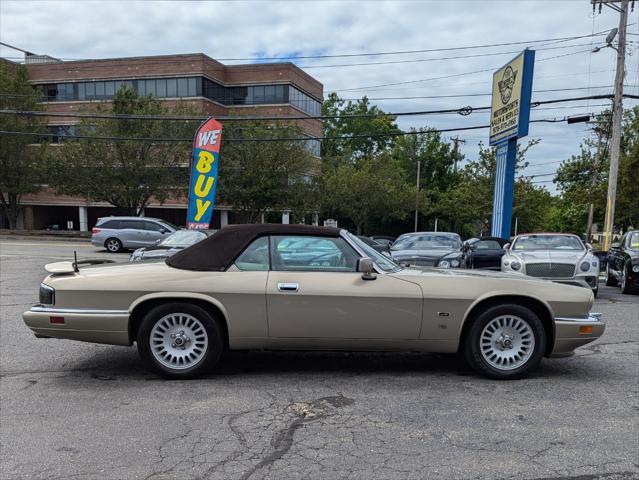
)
(170, 244)
(559, 257)
(119, 233)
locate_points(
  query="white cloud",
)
(244, 29)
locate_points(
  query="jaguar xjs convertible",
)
(308, 288)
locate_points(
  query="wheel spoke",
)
(507, 342)
(178, 341)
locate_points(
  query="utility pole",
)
(419, 164)
(456, 142)
(617, 113)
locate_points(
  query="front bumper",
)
(574, 332)
(86, 325)
(586, 281)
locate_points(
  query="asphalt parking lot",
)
(73, 410)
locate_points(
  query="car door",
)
(153, 232)
(487, 254)
(314, 292)
(130, 233)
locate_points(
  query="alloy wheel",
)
(113, 245)
(507, 342)
(178, 341)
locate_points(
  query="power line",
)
(462, 111)
(266, 139)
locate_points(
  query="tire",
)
(179, 323)
(626, 288)
(610, 280)
(113, 245)
(595, 291)
(522, 342)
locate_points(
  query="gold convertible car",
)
(300, 287)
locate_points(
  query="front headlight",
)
(454, 263)
(444, 264)
(515, 266)
(635, 269)
(585, 266)
(47, 294)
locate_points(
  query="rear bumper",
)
(574, 332)
(97, 242)
(86, 325)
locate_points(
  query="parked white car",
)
(559, 257)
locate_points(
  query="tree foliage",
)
(256, 177)
(126, 173)
(21, 162)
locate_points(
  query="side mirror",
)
(615, 245)
(506, 246)
(365, 267)
(588, 246)
(163, 231)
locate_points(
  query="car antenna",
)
(75, 262)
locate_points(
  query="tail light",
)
(95, 231)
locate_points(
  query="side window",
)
(255, 257)
(135, 224)
(312, 254)
(115, 224)
(155, 227)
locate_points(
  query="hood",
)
(550, 256)
(431, 253)
(161, 252)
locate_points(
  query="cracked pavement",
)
(74, 410)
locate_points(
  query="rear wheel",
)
(623, 283)
(505, 342)
(113, 245)
(610, 280)
(179, 340)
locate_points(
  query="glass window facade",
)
(185, 87)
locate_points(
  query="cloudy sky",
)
(254, 30)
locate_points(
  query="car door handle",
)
(288, 287)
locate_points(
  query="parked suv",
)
(119, 233)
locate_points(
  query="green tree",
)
(627, 207)
(366, 128)
(126, 173)
(373, 188)
(261, 176)
(22, 166)
(438, 166)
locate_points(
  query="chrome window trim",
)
(81, 311)
(361, 253)
(591, 318)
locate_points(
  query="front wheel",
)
(505, 342)
(179, 340)
(610, 280)
(626, 288)
(113, 245)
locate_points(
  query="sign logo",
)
(506, 84)
(204, 169)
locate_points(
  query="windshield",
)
(382, 261)
(547, 242)
(633, 241)
(183, 238)
(427, 241)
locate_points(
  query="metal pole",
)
(516, 224)
(435, 224)
(419, 164)
(593, 182)
(617, 112)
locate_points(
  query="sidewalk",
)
(45, 235)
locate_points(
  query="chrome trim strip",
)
(591, 318)
(81, 311)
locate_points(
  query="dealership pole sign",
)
(509, 119)
(204, 169)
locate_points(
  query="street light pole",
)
(419, 164)
(617, 113)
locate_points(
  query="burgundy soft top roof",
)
(219, 251)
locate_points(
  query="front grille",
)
(418, 261)
(552, 270)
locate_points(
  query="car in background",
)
(378, 245)
(559, 257)
(383, 238)
(169, 245)
(623, 263)
(236, 290)
(126, 233)
(428, 249)
(484, 253)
